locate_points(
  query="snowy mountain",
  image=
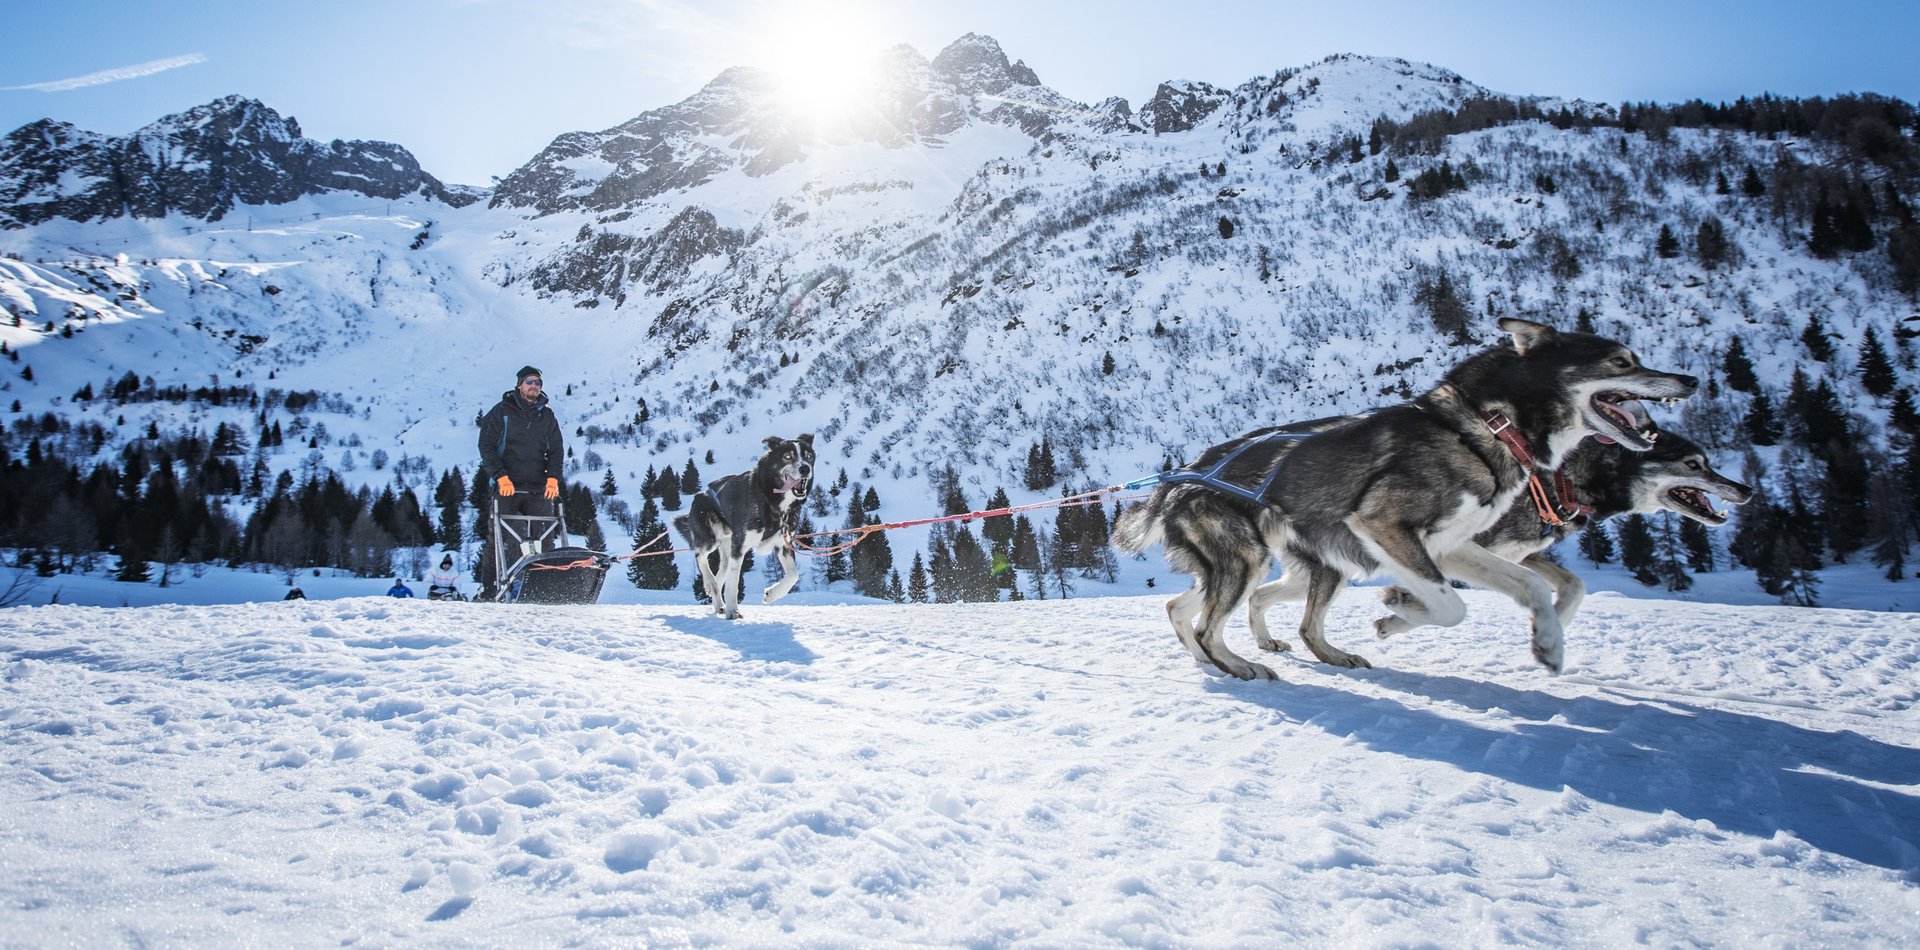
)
(959, 265)
(740, 122)
(202, 163)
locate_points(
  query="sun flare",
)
(827, 66)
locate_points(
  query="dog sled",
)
(548, 568)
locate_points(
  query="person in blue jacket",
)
(399, 589)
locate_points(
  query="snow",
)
(1056, 773)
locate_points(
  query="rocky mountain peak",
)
(975, 64)
(1179, 106)
(201, 162)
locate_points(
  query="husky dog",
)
(1675, 475)
(755, 510)
(1405, 490)
(1218, 539)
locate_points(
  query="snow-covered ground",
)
(1059, 773)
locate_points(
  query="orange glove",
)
(553, 488)
(506, 486)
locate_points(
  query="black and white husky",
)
(1405, 492)
(1675, 475)
(756, 510)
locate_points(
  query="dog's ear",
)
(1526, 333)
(805, 438)
(774, 442)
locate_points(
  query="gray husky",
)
(755, 510)
(1405, 491)
(1675, 475)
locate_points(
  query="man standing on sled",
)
(521, 454)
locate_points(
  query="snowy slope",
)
(1058, 774)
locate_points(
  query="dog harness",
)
(1212, 478)
(1557, 508)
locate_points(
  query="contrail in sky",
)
(112, 75)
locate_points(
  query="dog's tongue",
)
(787, 486)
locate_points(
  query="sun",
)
(825, 61)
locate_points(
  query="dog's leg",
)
(1322, 585)
(1182, 611)
(789, 575)
(1291, 586)
(732, 561)
(1224, 590)
(1408, 612)
(1403, 556)
(1477, 565)
(1568, 589)
(703, 560)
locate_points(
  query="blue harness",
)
(1211, 477)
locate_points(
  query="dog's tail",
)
(697, 524)
(1142, 526)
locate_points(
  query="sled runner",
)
(543, 571)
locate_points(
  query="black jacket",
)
(521, 442)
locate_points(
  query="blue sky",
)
(475, 87)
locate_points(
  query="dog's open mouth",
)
(1695, 504)
(1628, 418)
(789, 486)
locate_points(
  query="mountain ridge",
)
(1130, 285)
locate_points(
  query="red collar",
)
(1552, 514)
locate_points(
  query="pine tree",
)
(1444, 305)
(1751, 185)
(689, 479)
(1025, 549)
(1710, 243)
(998, 531)
(1596, 545)
(1761, 424)
(1739, 369)
(1814, 338)
(1669, 554)
(940, 568)
(1697, 544)
(668, 488)
(1666, 245)
(1637, 549)
(917, 581)
(609, 487)
(1902, 415)
(1876, 371)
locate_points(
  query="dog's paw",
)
(1396, 595)
(1554, 658)
(1334, 656)
(1255, 671)
(1384, 627)
(1273, 646)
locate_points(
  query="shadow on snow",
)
(1744, 773)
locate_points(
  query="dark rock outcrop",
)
(200, 163)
